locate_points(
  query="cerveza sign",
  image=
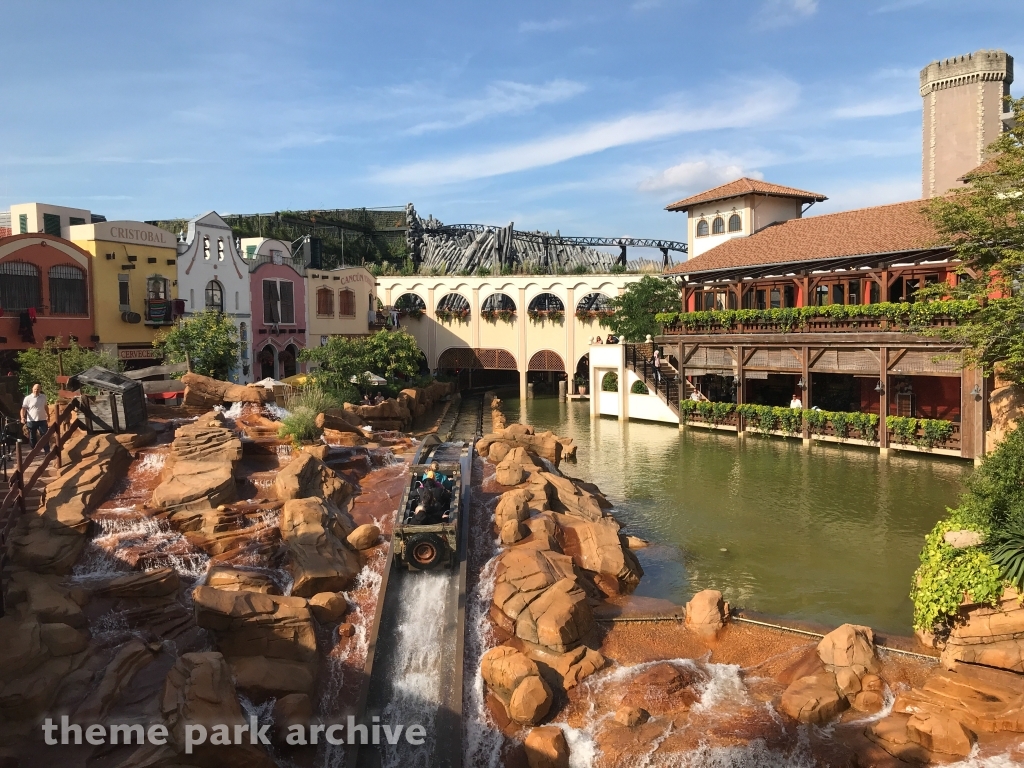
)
(133, 232)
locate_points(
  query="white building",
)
(213, 275)
(56, 220)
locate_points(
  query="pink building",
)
(278, 290)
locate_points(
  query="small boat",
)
(426, 532)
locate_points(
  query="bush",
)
(639, 388)
(610, 382)
(43, 365)
(299, 425)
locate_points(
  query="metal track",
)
(381, 657)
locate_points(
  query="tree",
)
(635, 309)
(44, 365)
(337, 362)
(210, 340)
(385, 353)
(393, 353)
(984, 225)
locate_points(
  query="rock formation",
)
(989, 635)
(516, 681)
(204, 392)
(318, 556)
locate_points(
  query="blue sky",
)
(587, 117)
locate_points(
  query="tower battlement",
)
(980, 66)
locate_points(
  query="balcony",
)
(159, 312)
(835, 318)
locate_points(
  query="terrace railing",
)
(640, 360)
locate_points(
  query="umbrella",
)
(373, 378)
(298, 380)
(269, 383)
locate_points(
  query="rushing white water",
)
(1012, 759)
(416, 691)
(276, 412)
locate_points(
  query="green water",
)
(826, 534)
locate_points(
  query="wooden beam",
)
(815, 357)
(893, 359)
(156, 370)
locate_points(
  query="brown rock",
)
(568, 669)
(328, 607)
(596, 547)
(336, 423)
(992, 636)
(116, 678)
(207, 440)
(346, 630)
(254, 624)
(890, 733)
(513, 531)
(306, 476)
(706, 610)
(364, 537)
(546, 748)
(513, 505)
(530, 701)
(239, 580)
(847, 682)
(504, 668)
(44, 599)
(62, 640)
(940, 733)
(498, 451)
(159, 582)
(204, 391)
(665, 688)
(196, 485)
(813, 699)
(868, 701)
(982, 698)
(560, 618)
(264, 678)
(631, 716)
(851, 646)
(634, 542)
(293, 709)
(508, 473)
(317, 559)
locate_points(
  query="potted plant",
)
(581, 385)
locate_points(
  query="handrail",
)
(661, 385)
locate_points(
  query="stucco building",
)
(45, 290)
(135, 285)
(213, 275)
(341, 302)
(277, 286)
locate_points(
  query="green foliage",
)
(209, 339)
(686, 409)
(947, 575)
(540, 316)
(385, 353)
(610, 382)
(1007, 551)
(995, 492)
(902, 428)
(866, 424)
(43, 365)
(449, 316)
(916, 315)
(934, 432)
(636, 308)
(639, 388)
(982, 222)
(299, 425)
(494, 315)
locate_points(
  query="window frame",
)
(80, 300)
(324, 294)
(213, 287)
(739, 223)
(342, 300)
(718, 226)
(702, 223)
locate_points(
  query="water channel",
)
(823, 535)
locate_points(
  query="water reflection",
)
(824, 534)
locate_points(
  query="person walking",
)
(657, 365)
(34, 413)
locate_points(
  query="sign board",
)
(144, 353)
(131, 232)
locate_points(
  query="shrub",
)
(902, 428)
(299, 425)
(866, 424)
(610, 382)
(1007, 552)
(639, 388)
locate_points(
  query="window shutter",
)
(270, 298)
(287, 302)
(51, 224)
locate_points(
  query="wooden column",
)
(805, 395)
(972, 414)
(805, 291)
(740, 390)
(883, 399)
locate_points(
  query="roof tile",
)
(741, 187)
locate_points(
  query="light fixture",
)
(879, 388)
(802, 384)
(976, 392)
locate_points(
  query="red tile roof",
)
(742, 187)
(892, 228)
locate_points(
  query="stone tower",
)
(963, 107)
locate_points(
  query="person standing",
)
(657, 365)
(34, 413)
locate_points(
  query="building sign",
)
(144, 353)
(358, 276)
(134, 232)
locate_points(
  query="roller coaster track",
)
(545, 239)
(413, 670)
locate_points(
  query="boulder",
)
(868, 702)
(569, 498)
(546, 748)
(850, 645)
(116, 678)
(560, 618)
(530, 701)
(159, 582)
(196, 485)
(634, 542)
(513, 531)
(316, 557)
(21, 647)
(264, 678)
(813, 699)
(513, 505)
(706, 610)
(984, 699)
(206, 440)
(348, 439)
(508, 473)
(50, 539)
(364, 537)
(63, 640)
(1006, 404)
(328, 607)
(847, 682)
(631, 716)
(962, 539)
(292, 709)
(199, 689)
(516, 681)
(989, 635)
(239, 580)
(569, 669)
(43, 598)
(665, 688)
(940, 733)
(337, 423)
(890, 733)
(498, 451)
(306, 476)
(255, 624)
(595, 546)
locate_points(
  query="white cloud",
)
(892, 105)
(779, 13)
(705, 173)
(757, 104)
(501, 98)
(551, 25)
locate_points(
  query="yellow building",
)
(134, 283)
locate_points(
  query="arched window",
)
(206, 248)
(220, 249)
(546, 302)
(702, 228)
(454, 304)
(410, 303)
(158, 307)
(735, 223)
(19, 286)
(214, 296)
(498, 302)
(68, 295)
(324, 302)
(346, 303)
(718, 226)
(594, 306)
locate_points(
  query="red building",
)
(45, 289)
(278, 300)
